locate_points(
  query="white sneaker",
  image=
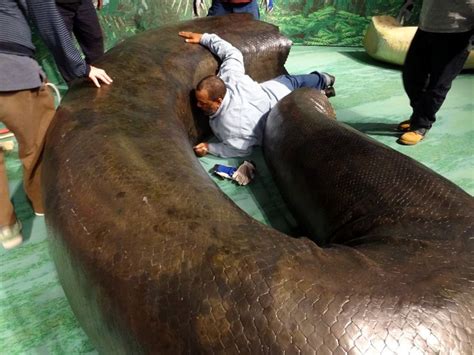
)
(10, 236)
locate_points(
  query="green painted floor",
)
(35, 317)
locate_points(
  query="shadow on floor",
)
(24, 211)
(266, 193)
(363, 58)
(376, 128)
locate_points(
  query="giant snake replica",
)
(154, 259)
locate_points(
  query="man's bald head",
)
(210, 92)
(214, 86)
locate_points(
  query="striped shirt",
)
(17, 69)
(442, 16)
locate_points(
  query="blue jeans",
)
(314, 80)
(282, 85)
(218, 9)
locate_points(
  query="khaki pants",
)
(27, 113)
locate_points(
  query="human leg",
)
(284, 84)
(415, 69)
(10, 234)
(219, 9)
(88, 32)
(27, 114)
(448, 52)
(314, 80)
(250, 8)
(415, 72)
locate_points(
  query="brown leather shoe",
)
(404, 126)
(413, 137)
(329, 79)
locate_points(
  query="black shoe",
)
(329, 92)
(328, 78)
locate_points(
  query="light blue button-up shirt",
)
(240, 119)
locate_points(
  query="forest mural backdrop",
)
(306, 22)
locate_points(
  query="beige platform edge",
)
(388, 41)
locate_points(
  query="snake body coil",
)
(155, 259)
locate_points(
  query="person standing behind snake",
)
(26, 104)
(80, 18)
(436, 56)
(225, 7)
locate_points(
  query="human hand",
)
(197, 6)
(191, 37)
(245, 173)
(201, 149)
(97, 74)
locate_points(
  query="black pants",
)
(81, 19)
(432, 63)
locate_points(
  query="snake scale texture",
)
(154, 259)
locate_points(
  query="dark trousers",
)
(219, 9)
(81, 19)
(432, 63)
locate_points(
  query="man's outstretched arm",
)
(231, 57)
